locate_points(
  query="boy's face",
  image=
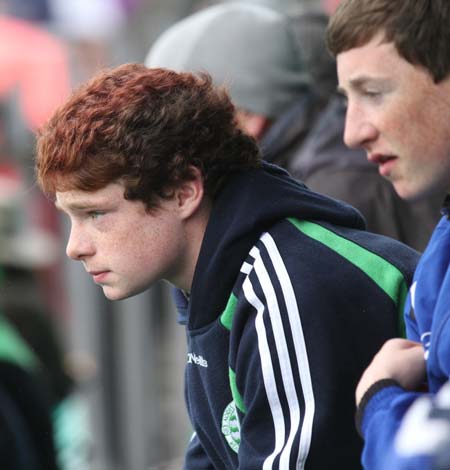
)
(123, 247)
(399, 116)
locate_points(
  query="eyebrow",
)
(355, 84)
(359, 82)
(80, 206)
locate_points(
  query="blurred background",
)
(115, 370)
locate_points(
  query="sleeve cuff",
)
(370, 392)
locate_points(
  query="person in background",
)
(34, 79)
(40, 395)
(286, 97)
(263, 81)
(26, 431)
(26, 424)
(261, 265)
(393, 63)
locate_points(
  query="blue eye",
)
(95, 214)
(372, 93)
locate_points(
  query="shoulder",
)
(358, 247)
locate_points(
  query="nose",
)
(359, 131)
(79, 246)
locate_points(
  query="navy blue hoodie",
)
(291, 299)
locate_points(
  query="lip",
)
(385, 163)
(98, 276)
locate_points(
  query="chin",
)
(112, 294)
(115, 294)
(409, 193)
(417, 194)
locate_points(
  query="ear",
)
(190, 194)
(257, 125)
(253, 124)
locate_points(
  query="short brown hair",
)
(147, 128)
(419, 29)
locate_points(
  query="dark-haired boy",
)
(393, 59)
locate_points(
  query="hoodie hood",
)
(249, 204)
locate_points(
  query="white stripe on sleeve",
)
(268, 373)
(300, 349)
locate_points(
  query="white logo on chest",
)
(192, 358)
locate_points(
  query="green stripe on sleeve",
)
(387, 276)
(226, 319)
(227, 316)
(238, 400)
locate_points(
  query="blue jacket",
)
(291, 299)
(427, 315)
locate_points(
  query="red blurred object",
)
(35, 78)
(36, 63)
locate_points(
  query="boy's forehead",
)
(80, 199)
(374, 59)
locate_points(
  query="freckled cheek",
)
(119, 250)
(410, 121)
(145, 247)
(416, 139)
(119, 243)
(395, 131)
(390, 120)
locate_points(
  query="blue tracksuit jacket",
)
(420, 443)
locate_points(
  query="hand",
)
(398, 359)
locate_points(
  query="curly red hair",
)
(146, 128)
